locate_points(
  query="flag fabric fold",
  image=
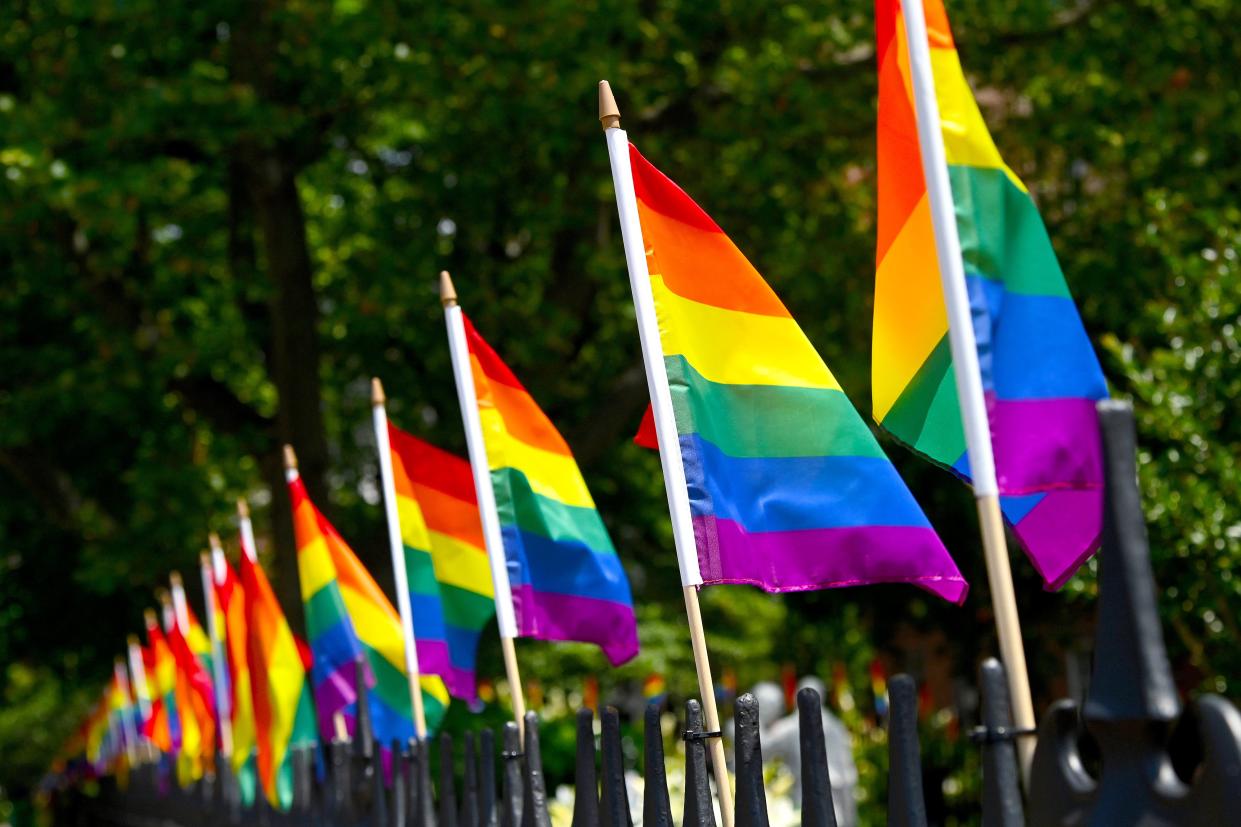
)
(445, 559)
(567, 580)
(1040, 374)
(788, 488)
(352, 625)
(284, 715)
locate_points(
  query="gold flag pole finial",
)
(290, 458)
(448, 293)
(609, 113)
(377, 392)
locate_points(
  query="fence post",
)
(424, 805)
(656, 809)
(397, 801)
(698, 809)
(342, 782)
(534, 807)
(906, 806)
(751, 800)
(1001, 785)
(613, 794)
(469, 783)
(512, 785)
(448, 792)
(585, 780)
(817, 809)
(487, 778)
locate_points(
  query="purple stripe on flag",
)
(1061, 532)
(551, 616)
(335, 692)
(434, 659)
(1045, 444)
(819, 558)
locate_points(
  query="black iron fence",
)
(1130, 756)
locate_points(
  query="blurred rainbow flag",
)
(1039, 372)
(568, 582)
(283, 711)
(231, 603)
(163, 728)
(351, 624)
(196, 707)
(445, 559)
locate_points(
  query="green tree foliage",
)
(221, 218)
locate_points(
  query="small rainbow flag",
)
(196, 707)
(283, 711)
(445, 559)
(347, 613)
(232, 625)
(788, 488)
(1039, 372)
(568, 582)
(163, 728)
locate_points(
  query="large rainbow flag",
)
(231, 605)
(163, 728)
(568, 583)
(788, 488)
(445, 558)
(1039, 371)
(283, 711)
(347, 613)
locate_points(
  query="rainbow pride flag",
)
(163, 728)
(347, 613)
(568, 583)
(445, 559)
(197, 709)
(199, 641)
(788, 488)
(283, 711)
(1039, 372)
(231, 604)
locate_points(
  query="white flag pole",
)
(397, 546)
(665, 426)
(506, 617)
(246, 530)
(127, 718)
(969, 378)
(223, 703)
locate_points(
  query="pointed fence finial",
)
(609, 113)
(585, 779)
(290, 458)
(448, 293)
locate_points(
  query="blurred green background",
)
(219, 219)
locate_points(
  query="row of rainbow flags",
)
(785, 484)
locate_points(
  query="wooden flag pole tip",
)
(204, 559)
(149, 616)
(132, 640)
(164, 597)
(377, 392)
(448, 293)
(214, 540)
(175, 579)
(609, 113)
(243, 508)
(290, 458)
